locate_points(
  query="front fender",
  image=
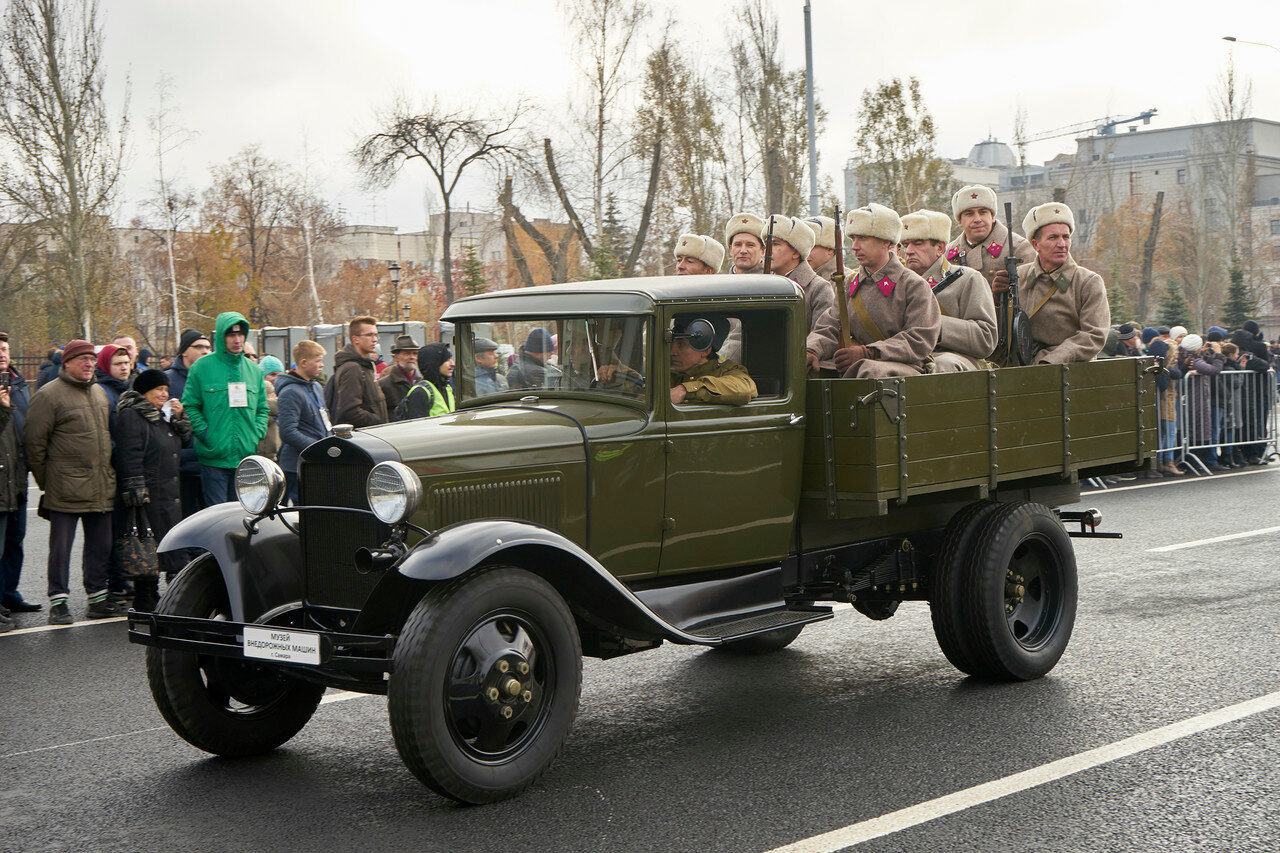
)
(262, 571)
(587, 585)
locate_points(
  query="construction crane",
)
(1105, 126)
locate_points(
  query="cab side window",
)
(758, 341)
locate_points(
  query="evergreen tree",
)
(1239, 306)
(612, 245)
(1118, 300)
(472, 280)
(1174, 310)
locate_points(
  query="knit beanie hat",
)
(189, 337)
(76, 348)
(149, 379)
(1191, 343)
(270, 364)
(539, 340)
(1149, 334)
(105, 356)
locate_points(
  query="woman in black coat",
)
(147, 466)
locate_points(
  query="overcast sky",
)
(306, 79)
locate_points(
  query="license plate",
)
(284, 646)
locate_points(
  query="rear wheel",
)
(225, 706)
(948, 602)
(487, 677)
(1021, 587)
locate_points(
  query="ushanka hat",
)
(824, 231)
(700, 248)
(926, 225)
(874, 220)
(794, 232)
(741, 223)
(1050, 213)
(974, 195)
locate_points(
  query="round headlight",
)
(394, 492)
(259, 485)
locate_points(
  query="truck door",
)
(733, 472)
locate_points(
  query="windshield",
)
(604, 355)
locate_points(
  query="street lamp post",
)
(405, 309)
(393, 270)
(1255, 43)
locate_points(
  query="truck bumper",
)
(359, 662)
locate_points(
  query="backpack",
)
(331, 393)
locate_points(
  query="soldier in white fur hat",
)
(968, 334)
(698, 255)
(822, 257)
(1067, 303)
(743, 233)
(793, 239)
(893, 318)
(983, 239)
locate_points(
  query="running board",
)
(739, 627)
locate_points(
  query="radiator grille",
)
(330, 539)
(535, 499)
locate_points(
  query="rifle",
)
(837, 284)
(1022, 347)
(768, 248)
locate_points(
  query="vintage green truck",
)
(464, 564)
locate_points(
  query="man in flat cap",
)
(822, 257)
(893, 318)
(698, 255)
(1066, 303)
(698, 375)
(488, 379)
(743, 232)
(793, 240)
(968, 333)
(983, 239)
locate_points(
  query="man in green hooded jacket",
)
(227, 404)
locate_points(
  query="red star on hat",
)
(973, 195)
(744, 220)
(1056, 210)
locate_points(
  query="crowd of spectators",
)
(1216, 398)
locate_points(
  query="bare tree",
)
(67, 152)
(899, 164)
(606, 30)
(167, 138)
(447, 142)
(1225, 150)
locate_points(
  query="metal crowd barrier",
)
(1228, 412)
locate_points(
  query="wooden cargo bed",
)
(871, 444)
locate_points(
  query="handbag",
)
(137, 549)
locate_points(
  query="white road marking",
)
(1198, 542)
(39, 628)
(1182, 482)
(81, 742)
(342, 696)
(888, 824)
(337, 696)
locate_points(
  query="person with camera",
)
(151, 430)
(1200, 362)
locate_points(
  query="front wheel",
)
(222, 705)
(486, 682)
(1021, 587)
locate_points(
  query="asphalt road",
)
(680, 749)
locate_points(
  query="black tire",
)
(1018, 636)
(762, 644)
(225, 706)
(464, 646)
(948, 599)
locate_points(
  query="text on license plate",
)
(279, 645)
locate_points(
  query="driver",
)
(698, 375)
(603, 372)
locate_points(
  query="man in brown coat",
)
(1067, 304)
(894, 319)
(822, 257)
(968, 332)
(397, 379)
(984, 240)
(357, 398)
(746, 245)
(68, 444)
(793, 240)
